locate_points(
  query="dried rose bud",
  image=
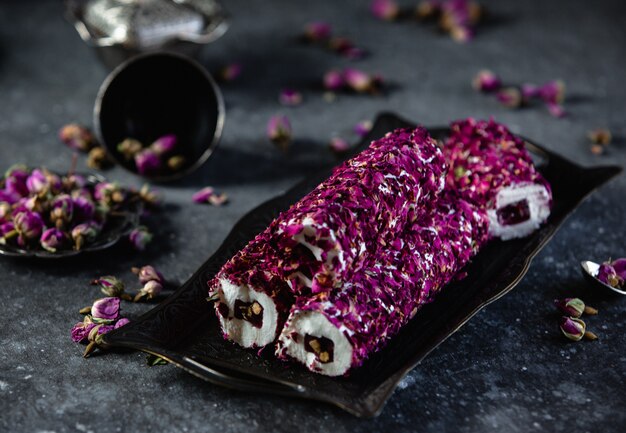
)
(53, 240)
(8, 197)
(553, 92)
(109, 285)
(148, 273)
(486, 81)
(529, 91)
(15, 182)
(176, 162)
(316, 31)
(363, 128)
(290, 97)
(74, 181)
(150, 290)
(556, 110)
(129, 148)
(148, 162)
(427, 9)
(339, 145)
(105, 310)
(575, 329)
(608, 275)
(7, 232)
(123, 321)
(209, 195)
(37, 182)
(573, 307)
(109, 193)
(619, 266)
(334, 80)
(462, 33)
(600, 136)
(140, 237)
(84, 234)
(510, 97)
(597, 149)
(29, 225)
(81, 330)
(340, 44)
(150, 197)
(77, 137)
(357, 80)
(62, 210)
(164, 145)
(98, 159)
(84, 209)
(5, 211)
(95, 338)
(230, 72)
(386, 10)
(279, 131)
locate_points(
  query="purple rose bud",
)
(123, 321)
(7, 232)
(148, 162)
(339, 145)
(553, 92)
(140, 237)
(486, 81)
(54, 239)
(81, 330)
(317, 31)
(62, 210)
(129, 148)
(619, 266)
(279, 131)
(98, 159)
(37, 182)
(363, 128)
(386, 10)
(573, 307)
(74, 181)
(608, 274)
(354, 53)
(357, 80)
(109, 193)
(148, 273)
(150, 290)
(290, 97)
(333, 80)
(110, 286)
(85, 233)
(556, 110)
(164, 145)
(105, 310)
(8, 197)
(209, 195)
(29, 225)
(574, 329)
(77, 137)
(84, 209)
(15, 182)
(529, 91)
(230, 72)
(510, 97)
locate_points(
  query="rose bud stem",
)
(90, 349)
(85, 310)
(590, 336)
(590, 310)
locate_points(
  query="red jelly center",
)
(514, 213)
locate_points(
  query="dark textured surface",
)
(507, 370)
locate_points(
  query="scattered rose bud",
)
(98, 159)
(140, 237)
(148, 273)
(148, 162)
(339, 145)
(81, 330)
(110, 286)
(176, 162)
(279, 131)
(209, 195)
(529, 92)
(123, 321)
(95, 338)
(129, 148)
(77, 137)
(600, 136)
(84, 234)
(575, 329)
(597, 149)
(29, 225)
(510, 97)
(553, 92)
(150, 197)
(556, 110)
(150, 290)
(334, 80)
(386, 10)
(230, 72)
(105, 310)
(53, 240)
(316, 31)
(363, 128)
(290, 97)
(164, 145)
(574, 307)
(486, 81)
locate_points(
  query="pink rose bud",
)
(357, 80)
(37, 182)
(150, 290)
(209, 195)
(54, 239)
(333, 80)
(279, 131)
(573, 307)
(77, 137)
(290, 97)
(386, 10)
(363, 128)
(81, 330)
(129, 147)
(529, 91)
(556, 110)
(148, 273)
(140, 238)
(553, 92)
(110, 286)
(486, 81)
(29, 225)
(574, 329)
(123, 321)
(317, 31)
(148, 162)
(510, 97)
(105, 310)
(85, 233)
(164, 145)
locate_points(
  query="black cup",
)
(157, 94)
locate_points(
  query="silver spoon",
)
(590, 272)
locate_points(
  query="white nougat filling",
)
(538, 200)
(317, 325)
(242, 331)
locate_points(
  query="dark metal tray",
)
(184, 329)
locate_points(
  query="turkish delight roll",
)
(492, 169)
(321, 240)
(332, 332)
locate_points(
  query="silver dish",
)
(590, 272)
(121, 29)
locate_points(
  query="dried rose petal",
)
(123, 321)
(334, 80)
(105, 310)
(81, 330)
(77, 137)
(529, 91)
(386, 10)
(486, 81)
(290, 97)
(209, 195)
(317, 31)
(279, 131)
